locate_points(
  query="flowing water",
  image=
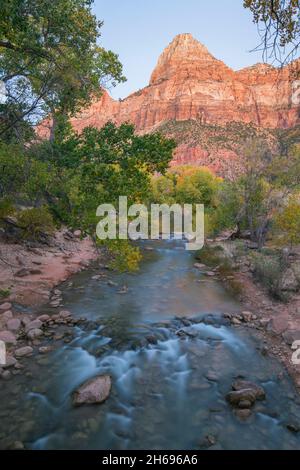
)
(168, 388)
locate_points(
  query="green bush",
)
(125, 256)
(210, 255)
(6, 208)
(268, 271)
(35, 222)
(4, 293)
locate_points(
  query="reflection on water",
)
(168, 391)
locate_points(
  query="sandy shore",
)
(30, 273)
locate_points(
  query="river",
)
(168, 388)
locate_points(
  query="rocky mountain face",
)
(205, 105)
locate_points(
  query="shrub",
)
(35, 222)
(288, 222)
(211, 255)
(4, 293)
(235, 287)
(268, 271)
(125, 256)
(6, 208)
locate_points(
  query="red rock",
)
(43, 318)
(4, 307)
(7, 315)
(65, 314)
(33, 325)
(8, 337)
(190, 85)
(278, 325)
(13, 324)
(34, 333)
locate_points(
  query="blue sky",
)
(139, 30)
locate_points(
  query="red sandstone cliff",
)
(189, 84)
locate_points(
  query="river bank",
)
(278, 321)
(28, 272)
(29, 275)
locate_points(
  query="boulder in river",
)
(243, 397)
(238, 396)
(245, 384)
(94, 391)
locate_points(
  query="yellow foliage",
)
(288, 221)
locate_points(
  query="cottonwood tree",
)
(50, 61)
(264, 187)
(288, 221)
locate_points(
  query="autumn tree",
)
(265, 185)
(288, 221)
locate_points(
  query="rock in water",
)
(243, 397)
(94, 391)
(244, 384)
(234, 398)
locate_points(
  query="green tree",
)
(50, 61)
(113, 162)
(163, 189)
(196, 185)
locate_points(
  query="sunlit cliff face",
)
(189, 84)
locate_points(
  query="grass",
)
(268, 269)
(211, 256)
(4, 293)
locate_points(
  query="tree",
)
(265, 185)
(163, 189)
(50, 61)
(196, 185)
(288, 221)
(279, 22)
(113, 161)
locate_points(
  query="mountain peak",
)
(182, 51)
(186, 40)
